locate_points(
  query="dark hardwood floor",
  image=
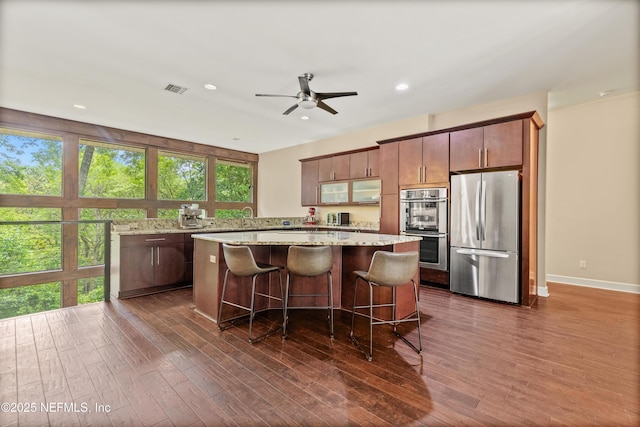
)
(573, 359)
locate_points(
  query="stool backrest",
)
(240, 260)
(393, 268)
(309, 260)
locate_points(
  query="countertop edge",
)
(322, 239)
(135, 232)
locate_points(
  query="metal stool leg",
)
(286, 306)
(369, 354)
(330, 302)
(417, 318)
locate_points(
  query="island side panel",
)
(308, 285)
(206, 277)
(359, 258)
(405, 298)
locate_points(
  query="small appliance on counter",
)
(189, 216)
(338, 218)
(311, 218)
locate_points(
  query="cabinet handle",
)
(152, 256)
(424, 173)
(316, 194)
(479, 157)
(419, 173)
(366, 171)
(155, 240)
(157, 255)
(486, 157)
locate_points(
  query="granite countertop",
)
(307, 238)
(217, 225)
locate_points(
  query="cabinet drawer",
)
(151, 239)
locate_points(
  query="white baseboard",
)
(543, 291)
(590, 283)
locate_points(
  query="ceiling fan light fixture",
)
(307, 104)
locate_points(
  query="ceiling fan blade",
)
(293, 107)
(328, 95)
(304, 84)
(281, 96)
(325, 107)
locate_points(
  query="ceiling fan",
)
(309, 99)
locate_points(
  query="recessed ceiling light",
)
(605, 92)
(304, 118)
(79, 107)
(210, 86)
(402, 86)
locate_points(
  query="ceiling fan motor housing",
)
(309, 99)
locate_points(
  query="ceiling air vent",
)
(175, 88)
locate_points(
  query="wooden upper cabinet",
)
(334, 168)
(466, 149)
(389, 168)
(410, 161)
(492, 146)
(309, 187)
(435, 158)
(503, 144)
(424, 160)
(359, 165)
(374, 162)
(364, 164)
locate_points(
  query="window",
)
(110, 171)
(90, 290)
(29, 299)
(30, 248)
(91, 236)
(30, 163)
(228, 213)
(233, 182)
(181, 177)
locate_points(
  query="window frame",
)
(72, 133)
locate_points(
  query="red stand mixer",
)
(311, 219)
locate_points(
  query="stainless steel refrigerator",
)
(485, 225)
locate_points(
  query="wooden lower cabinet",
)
(151, 263)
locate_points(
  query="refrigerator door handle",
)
(483, 209)
(481, 252)
(477, 210)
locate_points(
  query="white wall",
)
(593, 196)
(589, 182)
(279, 171)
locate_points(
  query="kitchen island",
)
(351, 251)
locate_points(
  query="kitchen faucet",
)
(243, 215)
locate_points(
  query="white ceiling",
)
(116, 57)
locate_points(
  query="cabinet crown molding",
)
(533, 115)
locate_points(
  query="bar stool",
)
(309, 261)
(387, 269)
(240, 262)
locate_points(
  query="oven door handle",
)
(423, 200)
(438, 235)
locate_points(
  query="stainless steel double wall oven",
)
(423, 213)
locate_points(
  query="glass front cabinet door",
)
(366, 191)
(333, 193)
